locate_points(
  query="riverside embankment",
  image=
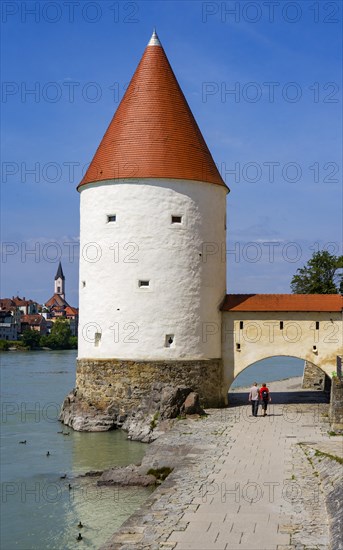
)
(244, 483)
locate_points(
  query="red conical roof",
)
(153, 133)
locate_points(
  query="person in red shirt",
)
(265, 398)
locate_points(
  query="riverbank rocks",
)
(83, 417)
(126, 476)
(192, 405)
(154, 415)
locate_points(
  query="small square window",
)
(176, 219)
(143, 283)
(111, 218)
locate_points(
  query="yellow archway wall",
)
(248, 337)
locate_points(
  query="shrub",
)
(4, 345)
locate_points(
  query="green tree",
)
(73, 342)
(31, 338)
(60, 335)
(321, 275)
(4, 345)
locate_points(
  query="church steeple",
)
(60, 282)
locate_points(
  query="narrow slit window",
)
(143, 283)
(176, 219)
(241, 325)
(97, 338)
(317, 325)
(83, 284)
(238, 347)
(281, 325)
(111, 218)
(169, 341)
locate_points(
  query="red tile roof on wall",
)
(283, 302)
(153, 133)
(33, 319)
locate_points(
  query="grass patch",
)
(332, 457)
(332, 434)
(160, 473)
(153, 421)
(6, 344)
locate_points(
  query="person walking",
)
(253, 398)
(265, 398)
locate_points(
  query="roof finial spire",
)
(154, 40)
(59, 274)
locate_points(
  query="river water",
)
(268, 370)
(39, 510)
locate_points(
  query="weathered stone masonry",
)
(123, 384)
(336, 404)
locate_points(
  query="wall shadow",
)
(238, 399)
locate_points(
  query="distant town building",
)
(28, 307)
(8, 326)
(34, 322)
(8, 304)
(57, 306)
(18, 314)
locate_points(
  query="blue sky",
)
(276, 137)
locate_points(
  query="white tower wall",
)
(182, 262)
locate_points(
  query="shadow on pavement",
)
(237, 399)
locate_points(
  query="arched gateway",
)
(152, 277)
(257, 326)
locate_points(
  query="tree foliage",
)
(31, 338)
(60, 336)
(4, 345)
(321, 275)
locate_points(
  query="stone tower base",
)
(109, 391)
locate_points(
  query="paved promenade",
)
(243, 483)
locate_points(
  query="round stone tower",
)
(153, 222)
